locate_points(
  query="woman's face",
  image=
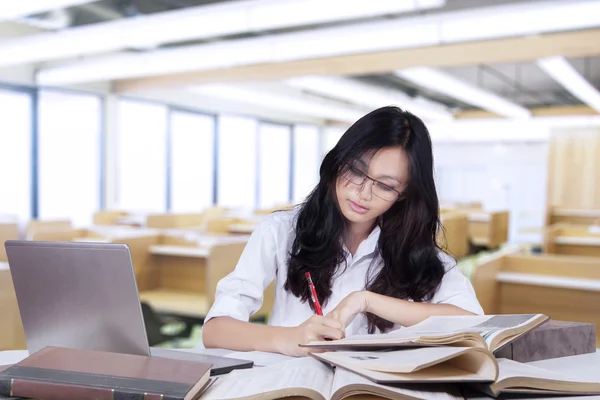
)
(371, 186)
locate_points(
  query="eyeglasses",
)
(381, 190)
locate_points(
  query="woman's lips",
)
(357, 208)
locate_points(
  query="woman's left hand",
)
(355, 303)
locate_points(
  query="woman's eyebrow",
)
(393, 178)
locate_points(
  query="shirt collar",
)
(367, 246)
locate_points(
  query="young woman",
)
(367, 235)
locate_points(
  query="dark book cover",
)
(59, 373)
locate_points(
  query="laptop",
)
(85, 296)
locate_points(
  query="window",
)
(331, 135)
(508, 176)
(236, 185)
(69, 149)
(274, 143)
(192, 161)
(15, 154)
(307, 160)
(141, 156)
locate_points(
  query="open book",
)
(474, 366)
(490, 332)
(310, 378)
(418, 365)
(518, 377)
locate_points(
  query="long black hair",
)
(412, 269)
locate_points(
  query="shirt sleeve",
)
(240, 294)
(456, 289)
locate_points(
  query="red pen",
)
(313, 294)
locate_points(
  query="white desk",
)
(585, 366)
(578, 240)
(563, 282)
(479, 216)
(242, 228)
(180, 251)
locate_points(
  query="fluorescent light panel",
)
(325, 42)
(11, 9)
(277, 101)
(370, 96)
(442, 82)
(564, 73)
(200, 22)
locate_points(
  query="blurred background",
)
(176, 125)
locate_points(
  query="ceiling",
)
(523, 83)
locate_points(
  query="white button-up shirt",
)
(264, 259)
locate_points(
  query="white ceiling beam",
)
(443, 28)
(371, 96)
(293, 103)
(447, 84)
(12, 9)
(565, 74)
(194, 23)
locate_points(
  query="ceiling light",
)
(293, 104)
(564, 73)
(370, 96)
(435, 29)
(193, 23)
(11, 9)
(442, 82)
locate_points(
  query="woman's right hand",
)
(315, 328)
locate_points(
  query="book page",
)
(514, 369)
(344, 378)
(299, 373)
(401, 361)
(260, 358)
(487, 326)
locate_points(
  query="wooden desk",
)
(8, 231)
(455, 238)
(91, 240)
(562, 287)
(11, 332)
(242, 228)
(488, 228)
(558, 215)
(185, 276)
(571, 239)
(180, 251)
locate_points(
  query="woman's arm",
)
(402, 312)
(454, 296)
(225, 332)
(229, 333)
(407, 313)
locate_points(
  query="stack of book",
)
(435, 359)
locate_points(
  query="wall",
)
(574, 168)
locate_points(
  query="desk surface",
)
(242, 228)
(586, 366)
(563, 282)
(578, 240)
(180, 251)
(479, 216)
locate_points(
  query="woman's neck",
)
(356, 233)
